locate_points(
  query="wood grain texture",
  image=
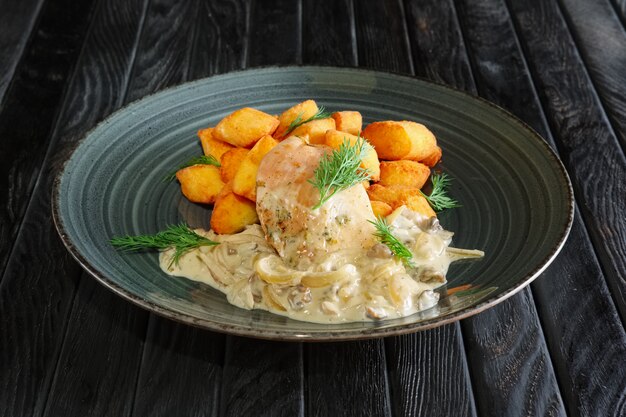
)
(347, 379)
(99, 361)
(275, 35)
(40, 273)
(437, 43)
(329, 47)
(620, 9)
(428, 375)
(601, 40)
(164, 50)
(221, 38)
(381, 36)
(31, 106)
(181, 371)
(262, 378)
(16, 24)
(586, 142)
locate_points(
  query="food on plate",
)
(312, 219)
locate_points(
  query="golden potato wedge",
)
(400, 140)
(432, 159)
(348, 121)
(381, 209)
(419, 204)
(200, 183)
(212, 146)
(408, 173)
(315, 129)
(303, 111)
(244, 182)
(231, 161)
(244, 127)
(335, 138)
(397, 195)
(232, 213)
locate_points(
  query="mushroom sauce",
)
(348, 285)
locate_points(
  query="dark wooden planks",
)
(181, 371)
(275, 35)
(329, 47)
(381, 36)
(16, 24)
(30, 108)
(601, 40)
(176, 355)
(586, 142)
(428, 374)
(347, 379)
(262, 378)
(436, 43)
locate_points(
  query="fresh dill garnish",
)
(383, 233)
(196, 160)
(181, 238)
(340, 170)
(297, 122)
(438, 198)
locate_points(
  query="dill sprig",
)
(196, 160)
(438, 198)
(383, 233)
(179, 237)
(297, 122)
(340, 170)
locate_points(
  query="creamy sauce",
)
(348, 285)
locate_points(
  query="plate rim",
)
(290, 335)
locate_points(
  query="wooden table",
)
(69, 347)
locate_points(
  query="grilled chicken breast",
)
(284, 204)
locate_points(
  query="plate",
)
(517, 202)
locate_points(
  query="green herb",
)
(340, 170)
(196, 160)
(383, 233)
(297, 122)
(438, 198)
(180, 237)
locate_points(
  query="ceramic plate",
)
(516, 196)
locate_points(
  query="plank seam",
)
(354, 40)
(142, 359)
(588, 74)
(225, 360)
(246, 42)
(407, 38)
(388, 405)
(34, 24)
(299, 52)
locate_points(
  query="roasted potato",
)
(244, 182)
(244, 127)
(212, 146)
(230, 162)
(397, 195)
(335, 138)
(315, 129)
(381, 209)
(408, 173)
(432, 159)
(303, 111)
(232, 213)
(348, 121)
(200, 183)
(400, 140)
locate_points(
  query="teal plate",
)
(516, 196)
